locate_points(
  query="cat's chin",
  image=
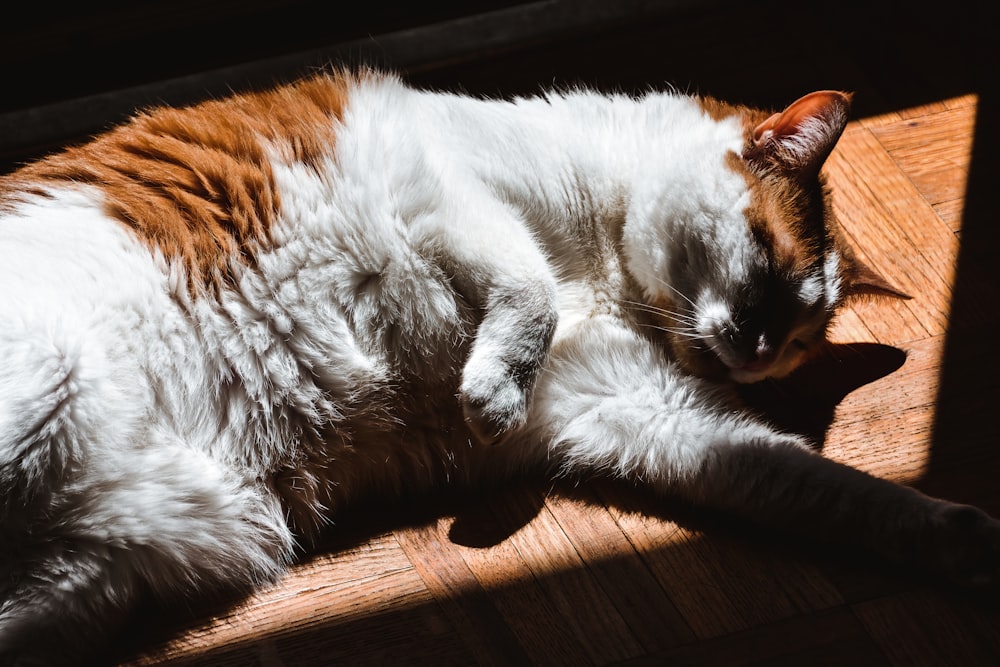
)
(781, 368)
(741, 376)
(711, 367)
(716, 364)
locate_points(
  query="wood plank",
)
(525, 607)
(938, 168)
(895, 231)
(877, 120)
(913, 385)
(622, 574)
(863, 219)
(334, 588)
(402, 634)
(895, 446)
(933, 150)
(513, 597)
(912, 223)
(886, 427)
(927, 628)
(719, 583)
(833, 637)
(965, 101)
(951, 213)
(581, 604)
(850, 327)
(474, 617)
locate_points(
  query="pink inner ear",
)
(821, 103)
(765, 130)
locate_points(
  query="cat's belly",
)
(317, 363)
(340, 368)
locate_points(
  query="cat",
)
(225, 323)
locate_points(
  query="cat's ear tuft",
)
(799, 139)
(862, 280)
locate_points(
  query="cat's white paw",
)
(967, 545)
(494, 402)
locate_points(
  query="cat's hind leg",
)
(610, 402)
(57, 598)
(161, 519)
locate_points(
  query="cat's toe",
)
(493, 411)
(968, 545)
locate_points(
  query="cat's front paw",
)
(967, 546)
(493, 401)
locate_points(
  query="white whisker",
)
(693, 335)
(684, 318)
(675, 290)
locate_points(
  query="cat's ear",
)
(862, 280)
(799, 139)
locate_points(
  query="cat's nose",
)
(747, 355)
(760, 362)
(763, 357)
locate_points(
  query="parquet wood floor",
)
(598, 574)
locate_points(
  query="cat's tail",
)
(41, 416)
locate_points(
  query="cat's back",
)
(195, 185)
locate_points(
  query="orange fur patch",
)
(779, 212)
(196, 182)
(783, 216)
(720, 110)
(788, 222)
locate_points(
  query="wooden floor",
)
(597, 574)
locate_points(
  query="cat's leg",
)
(59, 600)
(496, 264)
(610, 402)
(162, 519)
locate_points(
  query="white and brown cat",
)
(220, 325)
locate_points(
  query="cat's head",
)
(746, 267)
